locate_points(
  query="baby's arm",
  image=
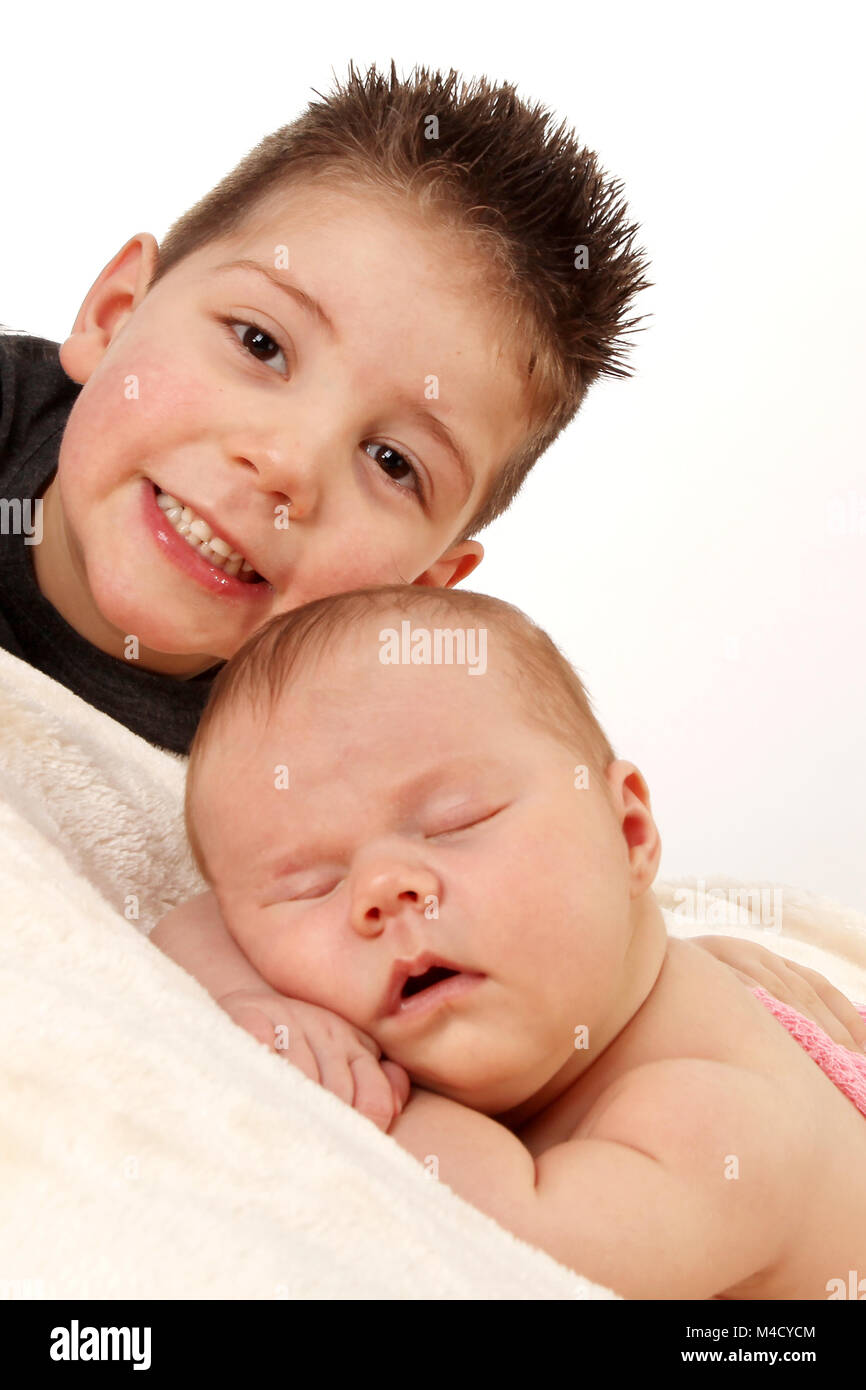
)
(649, 1205)
(196, 936)
(327, 1048)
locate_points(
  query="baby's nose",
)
(387, 890)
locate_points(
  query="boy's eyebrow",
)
(440, 431)
(306, 301)
(431, 423)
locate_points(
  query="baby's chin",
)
(482, 1084)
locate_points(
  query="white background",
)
(679, 541)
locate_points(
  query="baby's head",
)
(394, 778)
(343, 360)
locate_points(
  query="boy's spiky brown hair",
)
(474, 159)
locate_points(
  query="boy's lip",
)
(188, 559)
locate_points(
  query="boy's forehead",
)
(351, 249)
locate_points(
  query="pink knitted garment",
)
(845, 1068)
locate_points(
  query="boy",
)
(341, 365)
(235, 386)
(433, 871)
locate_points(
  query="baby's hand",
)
(326, 1048)
(803, 989)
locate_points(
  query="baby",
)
(409, 816)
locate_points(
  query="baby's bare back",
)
(700, 1009)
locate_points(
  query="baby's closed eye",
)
(306, 888)
(461, 820)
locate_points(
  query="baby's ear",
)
(631, 804)
(454, 565)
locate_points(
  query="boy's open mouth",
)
(200, 535)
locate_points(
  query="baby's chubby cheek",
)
(571, 883)
(239, 923)
(256, 932)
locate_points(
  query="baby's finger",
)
(400, 1083)
(366, 1041)
(833, 1010)
(374, 1096)
(253, 1021)
(749, 980)
(292, 1044)
(273, 1036)
(335, 1070)
(789, 987)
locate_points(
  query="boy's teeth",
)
(199, 535)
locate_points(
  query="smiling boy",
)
(340, 365)
(265, 430)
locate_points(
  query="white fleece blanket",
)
(151, 1149)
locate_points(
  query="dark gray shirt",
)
(36, 397)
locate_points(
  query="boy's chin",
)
(163, 657)
(173, 648)
(151, 613)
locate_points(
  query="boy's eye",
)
(255, 341)
(397, 468)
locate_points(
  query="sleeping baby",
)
(445, 852)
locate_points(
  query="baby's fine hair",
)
(530, 207)
(552, 695)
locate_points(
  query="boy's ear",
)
(453, 566)
(115, 294)
(631, 804)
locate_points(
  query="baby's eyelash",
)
(469, 824)
(317, 892)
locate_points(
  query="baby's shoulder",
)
(699, 1115)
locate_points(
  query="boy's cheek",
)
(142, 405)
(352, 565)
(161, 402)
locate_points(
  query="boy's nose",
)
(388, 886)
(290, 482)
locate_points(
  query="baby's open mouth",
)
(416, 983)
(201, 536)
(417, 987)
